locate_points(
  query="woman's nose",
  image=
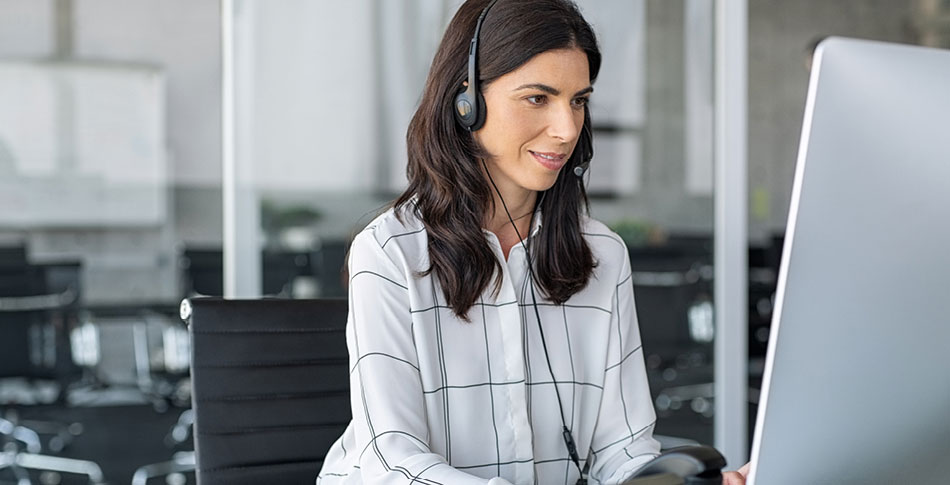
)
(564, 123)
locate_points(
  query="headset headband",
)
(469, 108)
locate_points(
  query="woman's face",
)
(534, 119)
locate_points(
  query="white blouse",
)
(437, 400)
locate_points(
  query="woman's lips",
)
(551, 161)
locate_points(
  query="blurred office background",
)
(111, 183)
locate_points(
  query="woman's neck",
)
(520, 205)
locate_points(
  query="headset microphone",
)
(586, 145)
(580, 169)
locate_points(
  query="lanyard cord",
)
(565, 431)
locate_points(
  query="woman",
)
(471, 365)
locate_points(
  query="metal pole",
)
(731, 230)
(241, 251)
(64, 29)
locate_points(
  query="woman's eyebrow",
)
(587, 90)
(552, 91)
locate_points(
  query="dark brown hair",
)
(447, 188)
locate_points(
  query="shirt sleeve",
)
(389, 413)
(623, 438)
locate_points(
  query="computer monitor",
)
(857, 376)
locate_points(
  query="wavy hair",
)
(447, 188)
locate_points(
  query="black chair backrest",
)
(39, 304)
(204, 270)
(12, 255)
(664, 303)
(270, 385)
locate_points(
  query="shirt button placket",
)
(511, 327)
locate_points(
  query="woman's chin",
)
(543, 183)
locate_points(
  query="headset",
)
(470, 114)
(470, 104)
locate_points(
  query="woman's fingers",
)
(737, 477)
(733, 478)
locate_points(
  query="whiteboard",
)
(82, 144)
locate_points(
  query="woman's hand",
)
(737, 477)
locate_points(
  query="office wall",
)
(780, 35)
(307, 94)
(183, 38)
(136, 262)
(25, 28)
(180, 36)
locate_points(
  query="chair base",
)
(181, 462)
(31, 461)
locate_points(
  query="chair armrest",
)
(688, 465)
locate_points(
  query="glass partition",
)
(111, 182)
(109, 186)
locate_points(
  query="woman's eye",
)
(581, 102)
(537, 99)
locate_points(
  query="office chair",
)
(203, 269)
(326, 262)
(12, 255)
(271, 394)
(36, 304)
(176, 390)
(673, 288)
(764, 261)
(131, 354)
(270, 387)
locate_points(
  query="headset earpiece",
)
(470, 104)
(470, 110)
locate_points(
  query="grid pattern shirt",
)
(437, 400)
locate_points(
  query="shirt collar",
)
(535, 223)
